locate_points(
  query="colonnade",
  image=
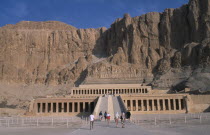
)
(64, 107)
(167, 104)
(110, 91)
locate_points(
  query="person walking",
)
(108, 117)
(105, 115)
(117, 116)
(122, 117)
(91, 121)
(100, 115)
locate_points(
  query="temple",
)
(136, 98)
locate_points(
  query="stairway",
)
(102, 105)
(111, 104)
(118, 105)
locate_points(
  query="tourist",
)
(100, 115)
(105, 115)
(122, 117)
(128, 115)
(117, 116)
(108, 117)
(91, 121)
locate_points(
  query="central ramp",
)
(111, 104)
(102, 105)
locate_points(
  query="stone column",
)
(56, 107)
(51, 111)
(62, 107)
(158, 104)
(46, 107)
(153, 105)
(83, 106)
(78, 103)
(131, 103)
(73, 108)
(142, 105)
(41, 107)
(174, 100)
(179, 104)
(147, 104)
(67, 107)
(137, 105)
(169, 104)
(164, 105)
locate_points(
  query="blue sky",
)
(79, 13)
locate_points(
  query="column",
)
(67, 107)
(142, 105)
(153, 105)
(83, 106)
(62, 107)
(56, 107)
(158, 104)
(131, 104)
(40, 107)
(46, 107)
(137, 105)
(72, 107)
(179, 104)
(164, 105)
(174, 100)
(169, 104)
(51, 107)
(147, 104)
(78, 104)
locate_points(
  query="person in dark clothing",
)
(100, 115)
(128, 115)
(105, 113)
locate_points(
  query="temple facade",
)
(135, 98)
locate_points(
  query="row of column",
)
(64, 107)
(155, 104)
(110, 91)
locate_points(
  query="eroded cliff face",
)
(154, 48)
(32, 52)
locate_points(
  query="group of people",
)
(107, 118)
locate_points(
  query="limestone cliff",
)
(155, 48)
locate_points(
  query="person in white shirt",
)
(117, 116)
(91, 121)
(108, 116)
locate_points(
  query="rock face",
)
(154, 48)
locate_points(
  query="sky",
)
(79, 13)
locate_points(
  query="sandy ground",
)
(139, 125)
(101, 128)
